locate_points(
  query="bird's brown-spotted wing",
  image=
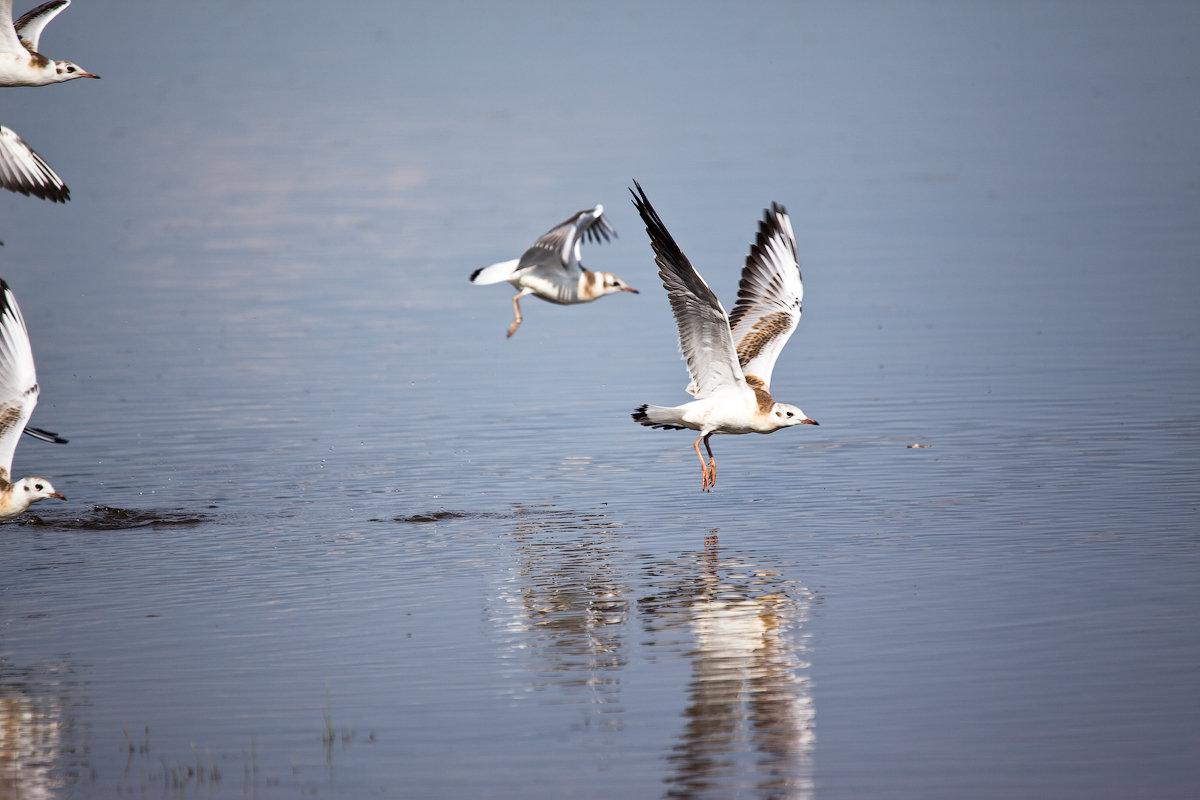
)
(769, 296)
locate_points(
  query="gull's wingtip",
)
(640, 201)
(45, 435)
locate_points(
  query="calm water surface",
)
(330, 534)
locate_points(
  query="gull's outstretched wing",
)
(559, 247)
(24, 171)
(18, 378)
(769, 296)
(704, 336)
(29, 27)
(9, 43)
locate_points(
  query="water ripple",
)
(108, 518)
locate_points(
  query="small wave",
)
(103, 518)
(444, 515)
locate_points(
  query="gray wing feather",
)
(704, 336)
(559, 246)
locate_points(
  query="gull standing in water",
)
(18, 396)
(550, 268)
(729, 357)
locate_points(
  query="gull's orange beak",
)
(56, 494)
(809, 422)
(629, 289)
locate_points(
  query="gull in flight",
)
(24, 171)
(20, 62)
(729, 357)
(18, 396)
(550, 268)
(21, 169)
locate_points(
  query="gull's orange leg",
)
(708, 471)
(712, 464)
(516, 310)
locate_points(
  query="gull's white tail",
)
(496, 273)
(659, 417)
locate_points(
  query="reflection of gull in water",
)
(565, 605)
(750, 717)
(29, 746)
(563, 615)
(745, 694)
(36, 733)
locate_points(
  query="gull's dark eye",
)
(70, 69)
(38, 487)
(790, 414)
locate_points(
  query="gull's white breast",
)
(732, 410)
(19, 69)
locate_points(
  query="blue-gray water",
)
(331, 534)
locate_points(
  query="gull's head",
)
(607, 283)
(67, 71)
(31, 490)
(785, 415)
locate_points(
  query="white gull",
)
(551, 269)
(18, 396)
(21, 169)
(729, 357)
(20, 62)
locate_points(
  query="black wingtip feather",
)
(45, 435)
(660, 238)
